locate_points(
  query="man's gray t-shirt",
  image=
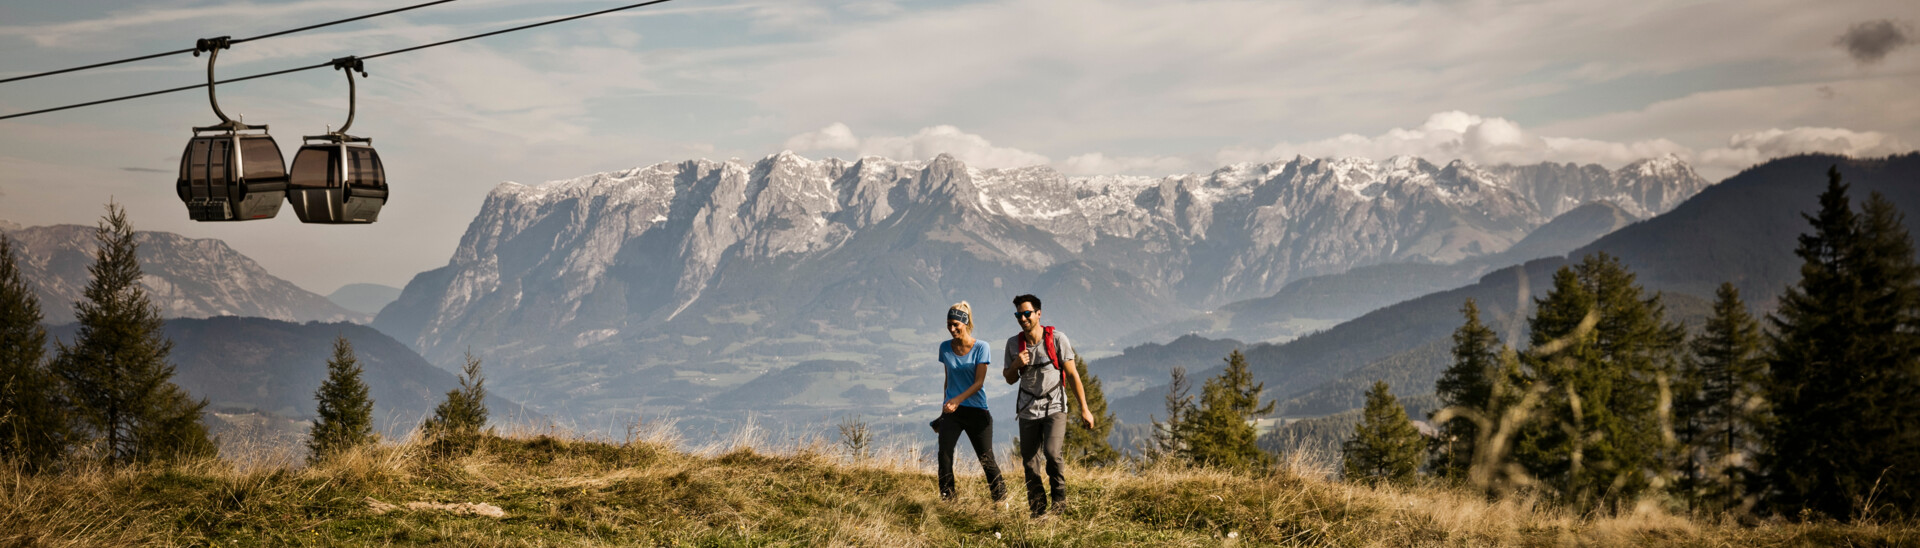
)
(1042, 391)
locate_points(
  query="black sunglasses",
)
(1023, 313)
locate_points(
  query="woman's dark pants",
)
(978, 425)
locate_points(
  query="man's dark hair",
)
(1028, 298)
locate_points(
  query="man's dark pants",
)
(1040, 441)
(978, 425)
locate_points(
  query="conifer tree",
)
(344, 411)
(1169, 436)
(1090, 446)
(116, 372)
(1603, 351)
(1843, 373)
(1468, 387)
(1217, 432)
(1720, 404)
(34, 430)
(464, 412)
(1385, 446)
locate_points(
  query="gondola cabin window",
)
(314, 168)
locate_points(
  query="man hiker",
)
(1041, 360)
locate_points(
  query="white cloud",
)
(1747, 149)
(1450, 135)
(929, 142)
(834, 137)
(1100, 164)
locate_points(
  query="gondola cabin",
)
(230, 174)
(337, 179)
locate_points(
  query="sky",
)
(1090, 87)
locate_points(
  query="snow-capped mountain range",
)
(729, 265)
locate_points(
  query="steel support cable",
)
(236, 41)
(330, 63)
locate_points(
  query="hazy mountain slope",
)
(1746, 232)
(185, 277)
(1322, 301)
(1577, 227)
(1412, 373)
(364, 298)
(1310, 360)
(275, 367)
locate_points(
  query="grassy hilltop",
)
(547, 490)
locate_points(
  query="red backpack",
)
(1046, 338)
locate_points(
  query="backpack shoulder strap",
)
(1053, 350)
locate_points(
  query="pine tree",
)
(464, 412)
(1720, 404)
(34, 430)
(1467, 386)
(1218, 432)
(1169, 436)
(1090, 446)
(116, 372)
(1843, 379)
(344, 411)
(1385, 447)
(1604, 352)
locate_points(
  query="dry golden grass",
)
(555, 489)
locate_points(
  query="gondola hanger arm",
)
(350, 64)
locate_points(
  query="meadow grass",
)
(552, 488)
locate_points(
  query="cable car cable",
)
(519, 28)
(236, 41)
(166, 91)
(330, 63)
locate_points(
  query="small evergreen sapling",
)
(1467, 387)
(1723, 383)
(1219, 432)
(464, 413)
(1385, 446)
(1169, 436)
(344, 414)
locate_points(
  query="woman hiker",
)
(965, 361)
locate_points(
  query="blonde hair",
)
(964, 307)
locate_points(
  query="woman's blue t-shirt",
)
(961, 369)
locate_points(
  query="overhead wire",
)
(235, 41)
(330, 63)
